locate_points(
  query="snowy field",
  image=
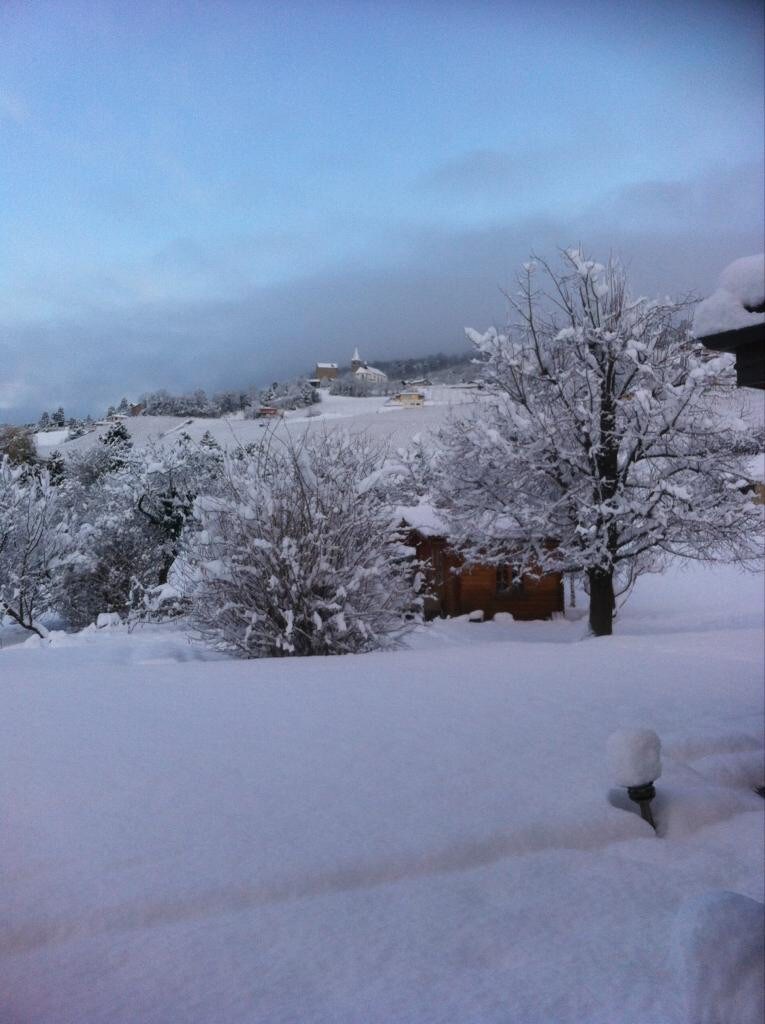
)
(381, 419)
(424, 836)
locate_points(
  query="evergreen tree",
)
(117, 441)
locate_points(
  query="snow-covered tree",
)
(118, 442)
(32, 539)
(294, 394)
(608, 443)
(298, 554)
(126, 517)
(208, 441)
(167, 479)
(113, 550)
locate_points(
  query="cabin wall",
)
(476, 588)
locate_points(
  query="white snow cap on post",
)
(634, 756)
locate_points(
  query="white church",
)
(363, 371)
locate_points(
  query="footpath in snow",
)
(430, 835)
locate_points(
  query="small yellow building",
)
(409, 398)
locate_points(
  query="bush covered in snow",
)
(32, 541)
(126, 513)
(113, 553)
(298, 554)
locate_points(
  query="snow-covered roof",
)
(326, 366)
(741, 287)
(371, 370)
(424, 518)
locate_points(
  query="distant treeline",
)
(286, 395)
(423, 366)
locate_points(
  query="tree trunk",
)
(601, 601)
(165, 567)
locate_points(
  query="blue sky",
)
(199, 194)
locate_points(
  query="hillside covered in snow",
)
(382, 419)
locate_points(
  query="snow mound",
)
(106, 619)
(718, 943)
(741, 286)
(634, 756)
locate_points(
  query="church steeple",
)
(356, 360)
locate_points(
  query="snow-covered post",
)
(635, 759)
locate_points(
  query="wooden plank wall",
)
(476, 588)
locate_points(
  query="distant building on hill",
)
(325, 371)
(408, 398)
(361, 370)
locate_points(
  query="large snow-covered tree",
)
(609, 441)
(298, 553)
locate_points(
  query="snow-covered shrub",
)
(603, 446)
(298, 554)
(114, 551)
(32, 540)
(166, 480)
(126, 519)
(88, 465)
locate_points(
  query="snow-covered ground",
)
(381, 419)
(429, 835)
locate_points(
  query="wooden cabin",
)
(488, 588)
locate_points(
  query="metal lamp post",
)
(635, 761)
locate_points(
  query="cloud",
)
(725, 196)
(487, 172)
(413, 293)
(13, 394)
